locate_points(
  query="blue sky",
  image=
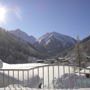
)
(37, 17)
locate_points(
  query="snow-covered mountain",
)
(49, 43)
(55, 42)
(46, 38)
(22, 35)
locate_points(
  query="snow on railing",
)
(46, 76)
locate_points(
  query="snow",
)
(88, 67)
(64, 80)
(45, 39)
(13, 79)
(21, 66)
(29, 81)
(85, 71)
(72, 81)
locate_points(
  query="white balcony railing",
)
(53, 76)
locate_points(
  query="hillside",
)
(78, 54)
(86, 45)
(13, 50)
(22, 35)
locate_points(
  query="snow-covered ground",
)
(48, 76)
(21, 66)
(41, 75)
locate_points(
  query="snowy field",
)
(49, 76)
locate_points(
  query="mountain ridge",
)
(49, 44)
(23, 35)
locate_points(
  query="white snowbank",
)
(21, 66)
(72, 81)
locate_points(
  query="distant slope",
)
(84, 44)
(13, 50)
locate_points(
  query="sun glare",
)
(3, 12)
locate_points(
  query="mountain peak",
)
(54, 32)
(57, 41)
(18, 30)
(24, 36)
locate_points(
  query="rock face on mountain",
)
(22, 35)
(55, 42)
